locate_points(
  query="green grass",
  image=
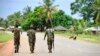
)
(89, 38)
(4, 37)
(85, 37)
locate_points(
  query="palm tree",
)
(49, 9)
(13, 17)
(96, 12)
(26, 12)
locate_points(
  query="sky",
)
(8, 7)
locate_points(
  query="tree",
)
(83, 7)
(96, 12)
(13, 17)
(89, 9)
(36, 18)
(78, 26)
(49, 8)
(3, 23)
(26, 12)
(1, 19)
(6, 24)
(60, 18)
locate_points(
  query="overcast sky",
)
(8, 7)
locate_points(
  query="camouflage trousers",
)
(50, 43)
(16, 48)
(32, 45)
(16, 45)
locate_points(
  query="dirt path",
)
(6, 49)
(63, 47)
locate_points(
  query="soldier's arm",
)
(27, 33)
(45, 35)
(53, 35)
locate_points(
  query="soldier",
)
(31, 38)
(50, 38)
(16, 32)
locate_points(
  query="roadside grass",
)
(4, 37)
(85, 37)
(89, 38)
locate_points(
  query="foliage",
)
(3, 23)
(38, 19)
(26, 12)
(14, 17)
(82, 7)
(49, 9)
(96, 12)
(60, 18)
(85, 37)
(89, 9)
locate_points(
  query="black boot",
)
(15, 51)
(50, 51)
(32, 50)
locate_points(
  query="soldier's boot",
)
(49, 48)
(15, 51)
(17, 48)
(31, 49)
(50, 51)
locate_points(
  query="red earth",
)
(6, 49)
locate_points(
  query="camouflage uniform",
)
(50, 39)
(32, 39)
(16, 32)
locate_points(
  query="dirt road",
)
(63, 47)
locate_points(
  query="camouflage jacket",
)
(50, 34)
(31, 35)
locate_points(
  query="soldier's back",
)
(31, 33)
(50, 34)
(16, 32)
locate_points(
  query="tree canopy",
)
(88, 9)
(38, 16)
